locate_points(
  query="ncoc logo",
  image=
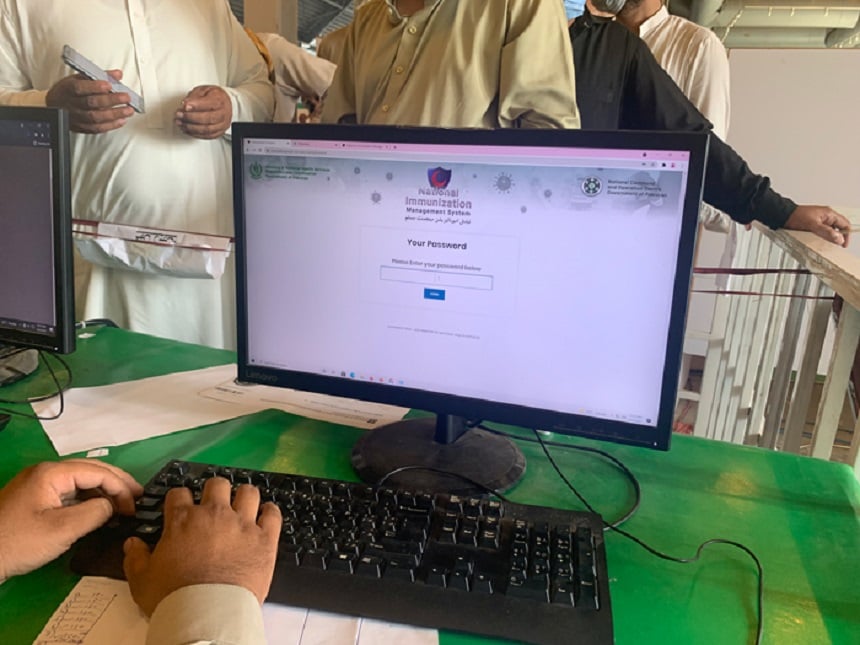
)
(439, 177)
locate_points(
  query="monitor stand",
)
(428, 447)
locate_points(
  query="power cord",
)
(439, 471)
(670, 558)
(637, 490)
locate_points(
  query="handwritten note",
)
(97, 611)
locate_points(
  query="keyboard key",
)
(483, 583)
(342, 562)
(437, 576)
(290, 554)
(534, 587)
(148, 516)
(315, 557)
(149, 533)
(370, 566)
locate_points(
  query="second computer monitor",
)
(36, 274)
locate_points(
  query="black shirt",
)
(621, 86)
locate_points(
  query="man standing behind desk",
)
(444, 63)
(696, 60)
(168, 168)
(691, 54)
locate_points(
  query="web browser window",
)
(534, 276)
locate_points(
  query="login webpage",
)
(536, 276)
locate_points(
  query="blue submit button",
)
(434, 294)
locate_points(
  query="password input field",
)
(436, 278)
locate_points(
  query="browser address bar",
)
(585, 162)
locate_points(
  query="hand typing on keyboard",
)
(474, 564)
(211, 554)
(46, 507)
(210, 542)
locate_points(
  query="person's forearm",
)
(30, 98)
(254, 101)
(732, 187)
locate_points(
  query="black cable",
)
(59, 391)
(637, 490)
(664, 556)
(96, 322)
(695, 558)
(439, 471)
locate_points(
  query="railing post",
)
(797, 411)
(782, 372)
(836, 383)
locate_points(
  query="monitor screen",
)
(534, 278)
(36, 274)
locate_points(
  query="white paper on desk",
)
(350, 412)
(100, 611)
(112, 415)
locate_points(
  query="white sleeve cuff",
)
(209, 613)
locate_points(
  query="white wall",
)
(796, 118)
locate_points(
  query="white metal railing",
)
(767, 326)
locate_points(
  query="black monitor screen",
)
(536, 278)
(36, 283)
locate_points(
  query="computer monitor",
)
(36, 269)
(532, 278)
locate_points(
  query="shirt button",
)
(385, 108)
(399, 69)
(413, 30)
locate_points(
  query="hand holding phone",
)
(85, 66)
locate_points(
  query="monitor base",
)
(15, 364)
(427, 449)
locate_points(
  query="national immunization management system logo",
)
(439, 177)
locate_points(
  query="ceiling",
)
(739, 23)
(318, 17)
(776, 24)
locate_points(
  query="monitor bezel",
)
(62, 341)
(471, 408)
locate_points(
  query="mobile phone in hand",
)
(88, 68)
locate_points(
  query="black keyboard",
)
(471, 564)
